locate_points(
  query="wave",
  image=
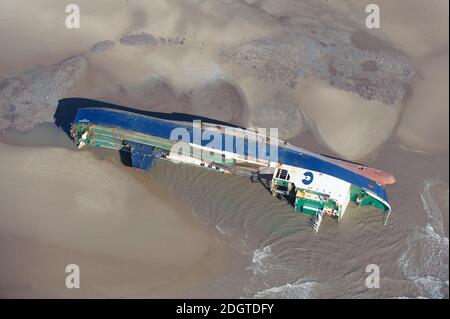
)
(260, 264)
(297, 290)
(434, 214)
(425, 260)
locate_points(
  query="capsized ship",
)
(314, 184)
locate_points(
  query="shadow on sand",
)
(67, 110)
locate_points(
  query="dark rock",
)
(139, 39)
(144, 39)
(31, 98)
(102, 46)
(337, 56)
(369, 65)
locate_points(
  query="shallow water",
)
(286, 257)
(41, 136)
(280, 256)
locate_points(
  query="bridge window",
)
(283, 174)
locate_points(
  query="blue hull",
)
(163, 128)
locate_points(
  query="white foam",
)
(434, 214)
(260, 260)
(425, 259)
(297, 290)
(221, 230)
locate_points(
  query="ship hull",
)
(314, 183)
